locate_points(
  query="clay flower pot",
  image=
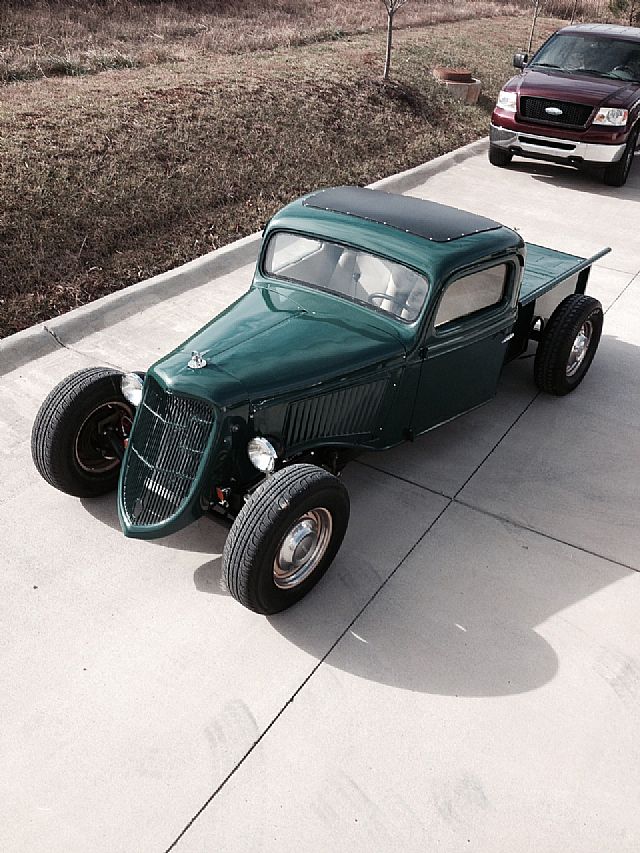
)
(460, 83)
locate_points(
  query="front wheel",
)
(285, 537)
(616, 174)
(78, 436)
(499, 156)
(568, 345)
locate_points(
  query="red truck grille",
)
(571, 115)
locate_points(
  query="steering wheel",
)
(625, 69)
(401, 303)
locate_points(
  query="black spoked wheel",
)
(568, 344)
(499, 156)
(78, 436)
(285, 537)
(616, 174)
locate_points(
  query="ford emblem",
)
(553, 111)
(197, 360)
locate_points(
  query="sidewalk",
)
(467, 675)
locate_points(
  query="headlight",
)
(507, 101)
(262, 454)
(613, 116)
(131, 387)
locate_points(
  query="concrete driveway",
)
(466, 677)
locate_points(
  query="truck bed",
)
(546, 268)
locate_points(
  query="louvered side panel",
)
(350, 411)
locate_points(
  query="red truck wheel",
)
(499, 156)
(616, 174)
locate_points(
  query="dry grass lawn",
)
(110, 178)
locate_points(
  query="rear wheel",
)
(78, 436)
(285, 537)
(616, 174)
(499, 156)
(569, 343)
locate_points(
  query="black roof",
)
(607, 30)
(437, 222)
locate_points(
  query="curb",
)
(47, 337)
(410, 179)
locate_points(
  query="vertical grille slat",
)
(165, 451)
(349, 411)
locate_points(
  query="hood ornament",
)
(197, 360)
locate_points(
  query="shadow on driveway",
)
(587, 179)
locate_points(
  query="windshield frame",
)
(343, 245)
(591, 41)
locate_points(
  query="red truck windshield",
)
(618, 59)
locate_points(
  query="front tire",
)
(568, 345)
(616, 174)
(499, 156)
(73, 435)
(285, 537)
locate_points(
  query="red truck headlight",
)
(507, 101)
(612, 116)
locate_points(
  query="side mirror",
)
(520, 60)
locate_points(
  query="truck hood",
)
(277, 340)
(578, 88)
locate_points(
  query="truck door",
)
(465, 344)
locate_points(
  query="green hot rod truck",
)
(371, 318)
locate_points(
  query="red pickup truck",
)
(576, 101)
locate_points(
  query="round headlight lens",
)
(131, 387)
(262, 454)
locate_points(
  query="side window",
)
(476, 292)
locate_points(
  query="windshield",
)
(352, 273)
(617, 59)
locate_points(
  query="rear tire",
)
(499, 156)
(285, 537)
(70, 439)
(568, 345)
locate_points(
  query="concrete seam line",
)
(17, 349)
(308, 677)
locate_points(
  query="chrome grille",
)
(165, 450)
(572, 115)
(351, 411)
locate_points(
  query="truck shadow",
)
(587, 179)
(473, 609)
(206, 536)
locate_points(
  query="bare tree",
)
(573, 11)
(392, 7)
(629, 9)
(536, 11)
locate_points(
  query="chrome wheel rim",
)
(93, 452)
(579, 348)
(302, 548)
